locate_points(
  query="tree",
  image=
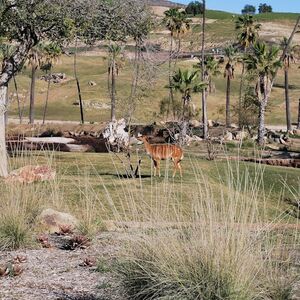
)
(194, 8)
(264, 8)
(186, 82)
(287, 60)
(211, 69)
(177, 23)
(115, 63)
(230, 53)
(247, 35)
(25, 24)
(36, 58)
(52, 53)
(204, 103)
(249, 9)
(263, 63)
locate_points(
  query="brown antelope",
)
(159, 152)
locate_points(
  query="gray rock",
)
(51, 220)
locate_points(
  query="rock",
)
(30, 174)
(195, 123)
(210, 123)
(92, 83)
(241, 135)
(116, 135)
(232, 125)
(296, 132)
(196, 138)
(228, 136)
(52, 220)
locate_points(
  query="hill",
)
(163, 3)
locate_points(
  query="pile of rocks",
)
(54, 77)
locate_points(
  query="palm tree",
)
(263, 63)
(178, 24)
(52, 53)
(287, 60)
(247, 35)
(204, 102)
(115, 63)
(229, 75)
(36, 58)
(186, 82)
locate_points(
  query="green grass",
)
(89, 176)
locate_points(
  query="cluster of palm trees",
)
(259, 61)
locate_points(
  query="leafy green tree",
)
(248, 9)
(263, 63)
(264, 8)
(230, 53)
(26, 24)
(186, 82)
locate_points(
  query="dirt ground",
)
(58, 274)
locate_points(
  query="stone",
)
(233, 125)
(52, 220)
(30, 174)
(228, 136)
(116, 135)
(296, 132)
(195, 123)
(92, 83)
(210, 123)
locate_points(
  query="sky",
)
(236, 6)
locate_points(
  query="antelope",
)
(159, 152)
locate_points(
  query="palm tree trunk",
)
(46, 102)
(78, 84)
(32, 95)
(241, 92)
(261, 126)
(298, 125)
(113, 92)
(20, 112)
(171, 94)
(3, 152)
(204, 93)
(228, 87)
(287, 100)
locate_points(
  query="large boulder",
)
(53, 221)
(30, 174)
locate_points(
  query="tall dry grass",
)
(220, 246)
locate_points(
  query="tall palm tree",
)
(115, 63)
(230, 53)
(177, 23)
(52, 54)
(186, 82)
(287, 60)
(36, 57)
(204, 94)
(248, 31)
(263, 63)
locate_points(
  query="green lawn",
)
(100, 177)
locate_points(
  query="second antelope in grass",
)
(159, 152)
